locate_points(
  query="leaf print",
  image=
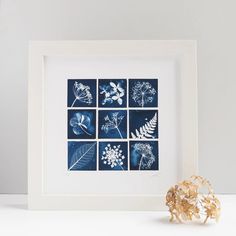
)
(147, 130)
(81, 123)
(82, 156)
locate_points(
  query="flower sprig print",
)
(82, 93)
(142, 93)
(113, 156)
(112, 93)
(112, 122)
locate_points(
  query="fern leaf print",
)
(82, 155)
(143, 124)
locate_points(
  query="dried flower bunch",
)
(186, 202)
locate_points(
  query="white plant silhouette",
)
(112, 156)
(82, 93)
(80, 123)
(112, 93)
(147, 158)
(112, 122)
(143, 93)
(147, 130)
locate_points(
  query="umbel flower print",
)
(113, 156)
(112, 122)
(112, 93)
(81, 124)
(82, 93)
(143, 93)
(147, 158)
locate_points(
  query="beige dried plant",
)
(185, 201)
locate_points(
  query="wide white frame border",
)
(183, 51)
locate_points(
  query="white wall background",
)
(211, 22)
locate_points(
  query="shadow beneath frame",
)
(18, 206)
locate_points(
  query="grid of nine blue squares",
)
(127, 108)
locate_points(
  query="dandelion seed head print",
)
(143, 93)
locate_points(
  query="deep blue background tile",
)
(107, 93)
(138, 118)
(81, 103)
(147, 151)
(113, 145)
(104, 115)
(88, 130)
(86, 150)
(136, 92)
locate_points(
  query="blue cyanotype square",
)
(144, 155)
(112, 124)
(81, 124)
(113, 156)
(143, 92)
(112, 93)
(82, 156)
(143, 124)
(81, 93)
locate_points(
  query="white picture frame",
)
(183, 55)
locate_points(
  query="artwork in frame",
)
(123, 126)
(112, 123)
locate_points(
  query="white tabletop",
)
(15, 219)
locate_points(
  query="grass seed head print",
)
(112, 156)
(143, 93)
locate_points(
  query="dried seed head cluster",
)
(186, 202)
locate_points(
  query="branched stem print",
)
(147, 158)
(82, 93)
(74, 102)
(112, 122)
(143, 93)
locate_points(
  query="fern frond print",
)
(83, 156)
(147, 130)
